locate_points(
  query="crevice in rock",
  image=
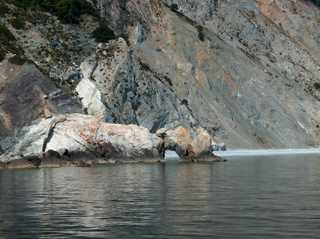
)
(50, 132)
(158, 76)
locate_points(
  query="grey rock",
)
(240, 69)
(26, 95)
(246, 71)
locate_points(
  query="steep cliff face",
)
(248, 71)
(242, 69)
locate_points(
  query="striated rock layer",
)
(245, 71)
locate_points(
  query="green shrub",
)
(18, 22)
(316, 85)
(103, 33)
(22, 3)
(68, 11)
(8, 43)
(2, 54)
(201, 35)
(174, 7)
(17, 60)
(317, 2)
(4, 9)
(5, 35)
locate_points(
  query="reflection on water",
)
(248, 198)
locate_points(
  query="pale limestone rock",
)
(90, 96)
(80, 133)
(76, 135)
(128, 141)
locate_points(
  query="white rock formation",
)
(90, 96)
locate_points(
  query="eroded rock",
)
(187, 144)
(84, 140)
(77, 135)
(89, 94)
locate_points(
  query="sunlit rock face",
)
(81, 135)
(187, 144)
(74, 137)
(246, 71)
(242, 69)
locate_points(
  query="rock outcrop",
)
(188, 145)
(76, 137)
(83, 134)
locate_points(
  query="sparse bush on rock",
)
(174, 7)
(3, 8)
(7, 42)
(201, 35)
(5, 34)
(2, 54)
(103, 33)
(18, 22)
(317, 2)
(68, 11)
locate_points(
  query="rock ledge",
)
(82, 140)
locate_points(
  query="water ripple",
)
(250, 198)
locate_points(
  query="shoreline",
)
(87, 163)
(267, 152)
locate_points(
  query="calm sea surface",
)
(245, 198)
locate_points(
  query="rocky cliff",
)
(246, 71)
